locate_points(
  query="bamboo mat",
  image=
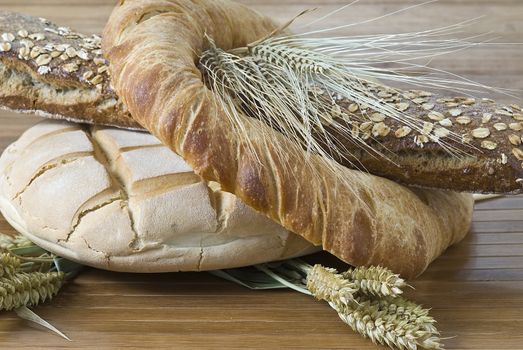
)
(475, 288)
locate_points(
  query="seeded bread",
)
(463, 144)
(485, 138)
(363, 220)
(55, 72)
(120, 200)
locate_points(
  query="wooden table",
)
(475, 288)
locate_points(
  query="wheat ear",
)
(28, 289)
(8, 265)
(294, 83)
(376, 280)
(388, 320)
(29, 275)
(326, 284)
(373, 320)
(8, 242)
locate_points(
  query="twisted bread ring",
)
(154, 47)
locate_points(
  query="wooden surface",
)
(475, 288)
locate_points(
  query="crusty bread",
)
(491, 164)
(153, 47)
(485, 154)
(120, 200)
(55, 72)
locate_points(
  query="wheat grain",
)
(326, 284)
(8, 242)
(282, 55)
(8, 265)
(407, 310)
(384, 323)
(276, 79)
(21, 242)
(376, 280)
(28, 289)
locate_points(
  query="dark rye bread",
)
(487, 161)
(462, 144)
(55, 72)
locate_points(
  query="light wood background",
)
(475, 288)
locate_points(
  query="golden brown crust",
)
(488, 165)
(55, 72)
(372, 221)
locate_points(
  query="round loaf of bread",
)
(120, 200)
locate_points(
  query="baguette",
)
(363, 220)
(85, 193)
(486, 164)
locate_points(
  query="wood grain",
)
(475, 288)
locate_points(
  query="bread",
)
(363, 220)
(489, 165)
(487, 157)
(120, 200)
(55, 72)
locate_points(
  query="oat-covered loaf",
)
(60, 73)
(153, 47)
(120, 200)
(56, 72)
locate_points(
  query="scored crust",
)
(153, 47)
(120, 200)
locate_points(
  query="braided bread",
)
(153, 47)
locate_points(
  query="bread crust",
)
(120, 200)
(486, 165)
(56, 72)
(371, 222)
(465, 161)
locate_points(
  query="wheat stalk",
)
(374, 320)
(292, 82)
(377, 314)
